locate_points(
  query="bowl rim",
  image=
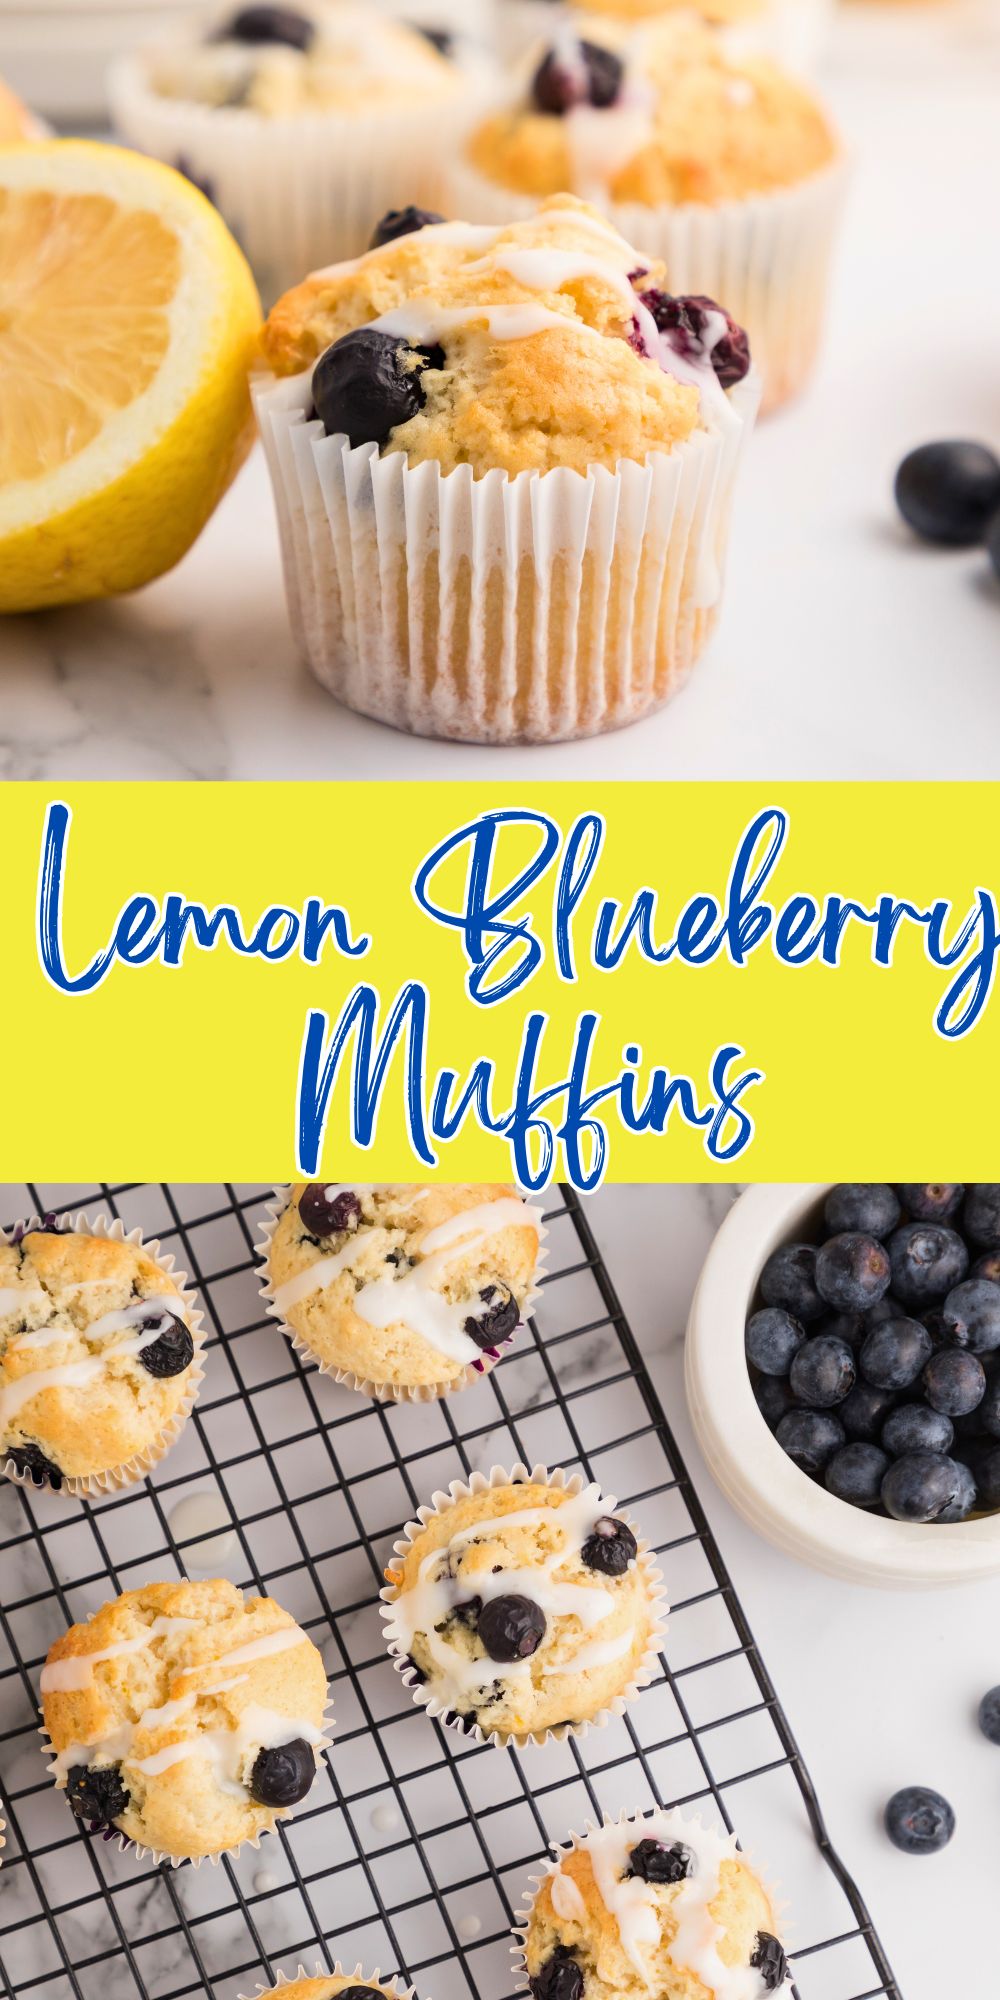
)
(764, 1484)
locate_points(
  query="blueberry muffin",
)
(793, 31)
(403, 1288)
(331, 1986)
(523, 1606)
(185, 1716)
(98, 1356)
(284, 62)
(653, 1908)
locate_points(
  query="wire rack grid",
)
(414, 1849)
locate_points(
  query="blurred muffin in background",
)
(792, 31)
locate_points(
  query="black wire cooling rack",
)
(414, 1849)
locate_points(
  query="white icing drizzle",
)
(567, 1901)
(316, 1277)
(79, 1374)
(227, 1750)
(71, 1675)
(15, 1299)
(603, 1653)
(426, 324)
(280, 1641)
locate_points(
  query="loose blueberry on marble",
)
(928, 1259)
(30, 1459)
(655, 1861)
(852, 1272)
(789, 1280)
(921, 1487)
(855, 1474)
(972, 1314)
(919, 1821)
(914, 1427)
(954, 1382)
(931, 1201)
(700, 331)
(989, 1715)
(768, 1958)
(870, 1207)
(864, 1412)
(283, 1776)
(773, 1339)
(775, 1399)
(810, 1438)
(572, 75)
(511, 1628)
(283, 27)
(497, 1321)
(611, 1547)
(948, 492)
(172, 1352)
(402, 222)
(324, 1211)
(894, 1354)
(369, 383)
(823, 1372)
(98, 1797)
(560, 1978)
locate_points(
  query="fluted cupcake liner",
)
(530, 609)
(766, 259)
(793, 32)
(301, 191)
(132, 1470)
(393, 1989)
(422, 1692)
(691, 1821)
(392, 1392)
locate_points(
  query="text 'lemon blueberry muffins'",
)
(300, 122)
(185, 1717)
(504, 460)
(726, 170)
(100, 1354)
(402, 1291)
(651, 1907)
(794, 32)
(335, 1985)
(523, 1605)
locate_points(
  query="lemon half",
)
(128, 321)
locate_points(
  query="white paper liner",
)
(394, 1989)
(573, 1841)
(481, 1482)
(766, 259)
(297, 192)
(117, 1477)
(500, 610)
(793, 32)
(391, 1392)
(159, 1856)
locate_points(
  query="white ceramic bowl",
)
(754, 1473)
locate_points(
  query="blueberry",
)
(972, 1311)
(931, 1201)
(560, 1978)
(172, 1352)
(989, 1715)
(369, 383)
(988, 1479)
(97, 1796)
(987, 1266)
(511, 1628)
(989, 1410)
(928, 1260)
(30, 1458)
(327, 1211)
(965, 1494)
(954, 1383)
(869, 1206)
(773, 1338)
(768, 1958)
(611, 1547)
(810, 1438)
(921, 1487)
(282, 25)
(775, 1399)
(283, 1776)
(864, 1412)
(789, 1279)
(981, 1214)
(888, 1307)
(894, 1354)
(823, 1372)
(851, 1327)
(916, 1428)
(701, 331)
(654, 1861)
(947, 492)
(499, 1320)
(919, 1821)
(443, 40)
(574, 74)
(856, 1472)
(938, 1328)
(852, 1272)
(402, 222)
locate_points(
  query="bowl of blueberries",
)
(843, 1375)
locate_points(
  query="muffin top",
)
(283, 61)
(547, 343)
(328, 1986)
(658, 116)
(522, 1607)
(404, 1285)
(659, 1906)
(96, 1353)
(185, 1716)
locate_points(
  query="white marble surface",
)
(845, 651)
